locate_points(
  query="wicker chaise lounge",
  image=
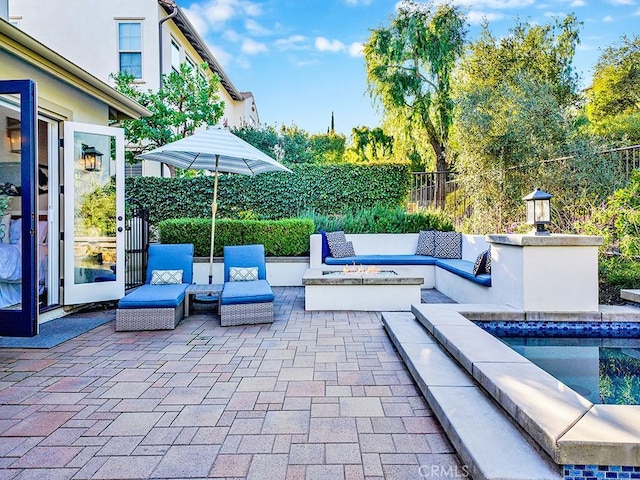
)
(246, 297)
(159, 304)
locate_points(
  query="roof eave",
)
(190, 33)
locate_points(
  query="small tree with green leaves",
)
(516, 98)
(184, 102)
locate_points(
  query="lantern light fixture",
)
(13, 132)
(91, 158)
(538, 211)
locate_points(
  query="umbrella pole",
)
(214, 209)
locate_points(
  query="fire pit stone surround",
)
(332, 288)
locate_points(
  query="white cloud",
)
(356, 3)
(251, 47)
(221, 55)
(355, 49)
(255, 28)
(218, 12)
(325, 45)
(194, 14)
(608, 18)
(554, 14)
(232, 36)
(637, 12)
(622, 2)
(585, 47)
(214, 14)
(494, 4)
(476, 17)
(293, 42)
(578, 3)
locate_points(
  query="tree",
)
(371, 144)
(184, 102)
(409, 66)
(613, 107)
(291, 144)
(327, 147)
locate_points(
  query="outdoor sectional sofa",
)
(452, 276)
(159, 303)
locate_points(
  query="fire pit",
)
(361, 288)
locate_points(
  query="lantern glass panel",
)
(530, 212)
(542, 211)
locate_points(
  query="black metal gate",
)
(136, 243)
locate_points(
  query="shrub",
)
(287, 237)
(618, 220)
(620, 271)
(383, 220)
(325, 189)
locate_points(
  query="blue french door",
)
(18, 219)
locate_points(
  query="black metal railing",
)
(136, 243)
(422, 193)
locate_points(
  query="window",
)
(130, 48)
(175, 55)
(192, 65)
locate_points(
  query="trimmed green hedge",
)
(281, 238)
(323, 189)
(383, 220)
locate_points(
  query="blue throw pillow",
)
(325, 245)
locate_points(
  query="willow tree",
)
(409, 67)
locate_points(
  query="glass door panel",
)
(94, 213)
(18, 227)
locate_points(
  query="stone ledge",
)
(606, 435)
(554, 240)
(631, 295)
(541, 404)
(466, 413)
(609, 434)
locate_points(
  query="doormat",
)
(55, 332)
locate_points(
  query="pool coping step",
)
(487, 441)
(558, 419)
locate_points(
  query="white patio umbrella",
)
(216, 150)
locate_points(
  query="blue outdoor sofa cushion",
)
(255, 291)
(154, 296)
(464, 269)
(383, 260)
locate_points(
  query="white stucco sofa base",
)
(555, 273)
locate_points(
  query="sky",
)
(302, 59)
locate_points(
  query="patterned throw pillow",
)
(481, 263)
(487, 267)
(166, 277)
(334, 238)
(448, 245)
(337, 241)
(243, 274)
(342, 250)
(426, 243)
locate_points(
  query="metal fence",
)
(136, 243)
(422, 192)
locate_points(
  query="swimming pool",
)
(599, 360)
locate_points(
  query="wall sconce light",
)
(538, 211)
(91, 158)
(13, 132)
